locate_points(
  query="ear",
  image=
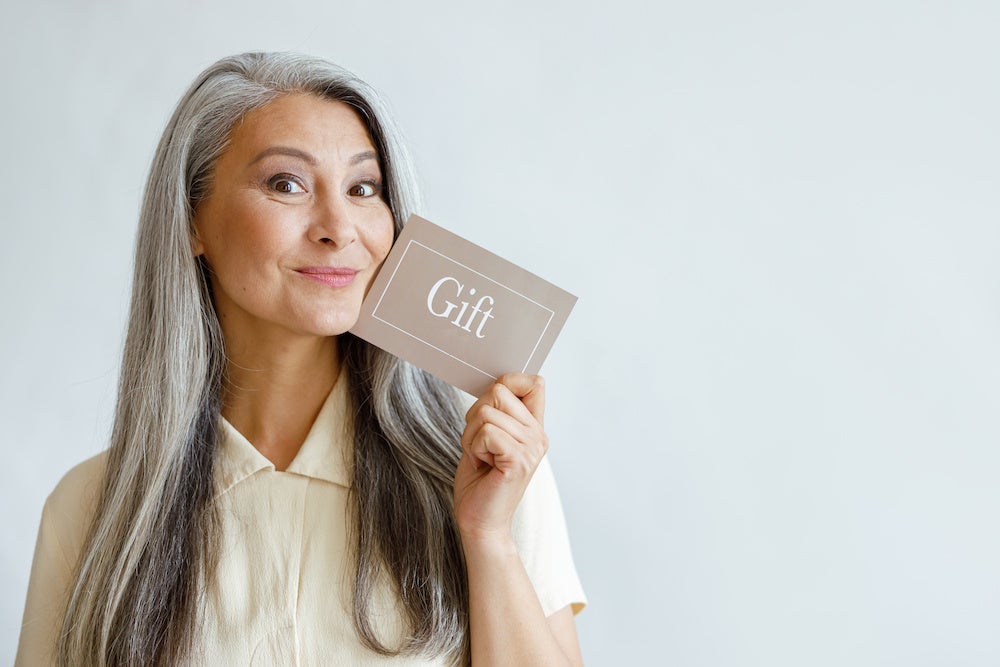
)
(197, 247)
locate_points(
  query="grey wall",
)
(773, 411)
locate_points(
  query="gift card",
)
(458, 311)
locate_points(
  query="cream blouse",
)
(282, 593)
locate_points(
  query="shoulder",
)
(81, 482)
(539, 529)
(66, 518)
(540, 507)
(70, 506)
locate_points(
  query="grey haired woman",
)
(277, 491)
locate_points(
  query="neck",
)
(275, 388)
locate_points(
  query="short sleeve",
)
(65, 518)
(539, 530)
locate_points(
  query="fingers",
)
(519, 395)
(504, 425)
(487, 414)
(494, 447)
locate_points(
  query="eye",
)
(286, 184)
(365, 189)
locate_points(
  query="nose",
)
(333, 223)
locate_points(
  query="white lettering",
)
(433, 293)
(462, 307)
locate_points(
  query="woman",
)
(278, 491)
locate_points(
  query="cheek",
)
(378, 243)
(382, 241)
(244, 238)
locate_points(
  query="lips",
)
(329, 275)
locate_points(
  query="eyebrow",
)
(361, 157)
(284, 150)
(308, 157)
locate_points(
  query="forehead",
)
(321, 126)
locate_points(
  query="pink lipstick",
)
(329, 275)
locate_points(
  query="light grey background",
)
(773, 411)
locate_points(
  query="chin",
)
(333, 326)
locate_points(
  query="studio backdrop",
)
(773, 410)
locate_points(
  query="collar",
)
(325, 454)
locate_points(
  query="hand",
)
(502, 444)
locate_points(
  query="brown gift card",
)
(458, 311)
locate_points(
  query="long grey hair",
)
(155, 532)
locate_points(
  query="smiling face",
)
(295, 226)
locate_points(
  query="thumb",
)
(530, 389)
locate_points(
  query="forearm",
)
(507, 624)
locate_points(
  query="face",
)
(295, 226)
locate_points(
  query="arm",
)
(502, 445)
